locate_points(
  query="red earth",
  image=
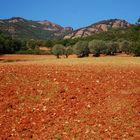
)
(69, 102)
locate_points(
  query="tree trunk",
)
(66, 55)
(57, 56)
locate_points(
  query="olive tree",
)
(125, 46)
(97, 47)
(58, 50)
(68, 51)
(136, 48)
(111, 48)
(81, 49)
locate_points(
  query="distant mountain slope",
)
(104, 25)
(22, 28)
(27, 29)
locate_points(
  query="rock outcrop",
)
(98, 27)
(50, 26)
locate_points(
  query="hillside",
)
(101, 26)
(22, 28)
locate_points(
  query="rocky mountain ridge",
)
(104, 25)
(28, 29)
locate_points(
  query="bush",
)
(81, 49)
(58, 50)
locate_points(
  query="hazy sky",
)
(75, 13)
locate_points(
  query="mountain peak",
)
(15, 19)
(19, 18)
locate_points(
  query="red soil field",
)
(69, 102)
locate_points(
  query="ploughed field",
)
(69, 99)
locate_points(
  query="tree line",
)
(97, 47)
(106, 43)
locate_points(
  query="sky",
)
(74, 13)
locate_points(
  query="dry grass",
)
(50, 59)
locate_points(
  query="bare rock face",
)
(15, 20)
(12, 30)
(54, 27)
(50, 26)
(98, 27)
(1, 21)
(104, 27)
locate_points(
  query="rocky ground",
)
(69, 101)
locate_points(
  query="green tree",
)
(111, 48)
(68, 51)
(125, 46)
(8, 45)
(49, 44)
(136, 49)
(81, 49)
(31, 44)
(97, 47)
(58, 50)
